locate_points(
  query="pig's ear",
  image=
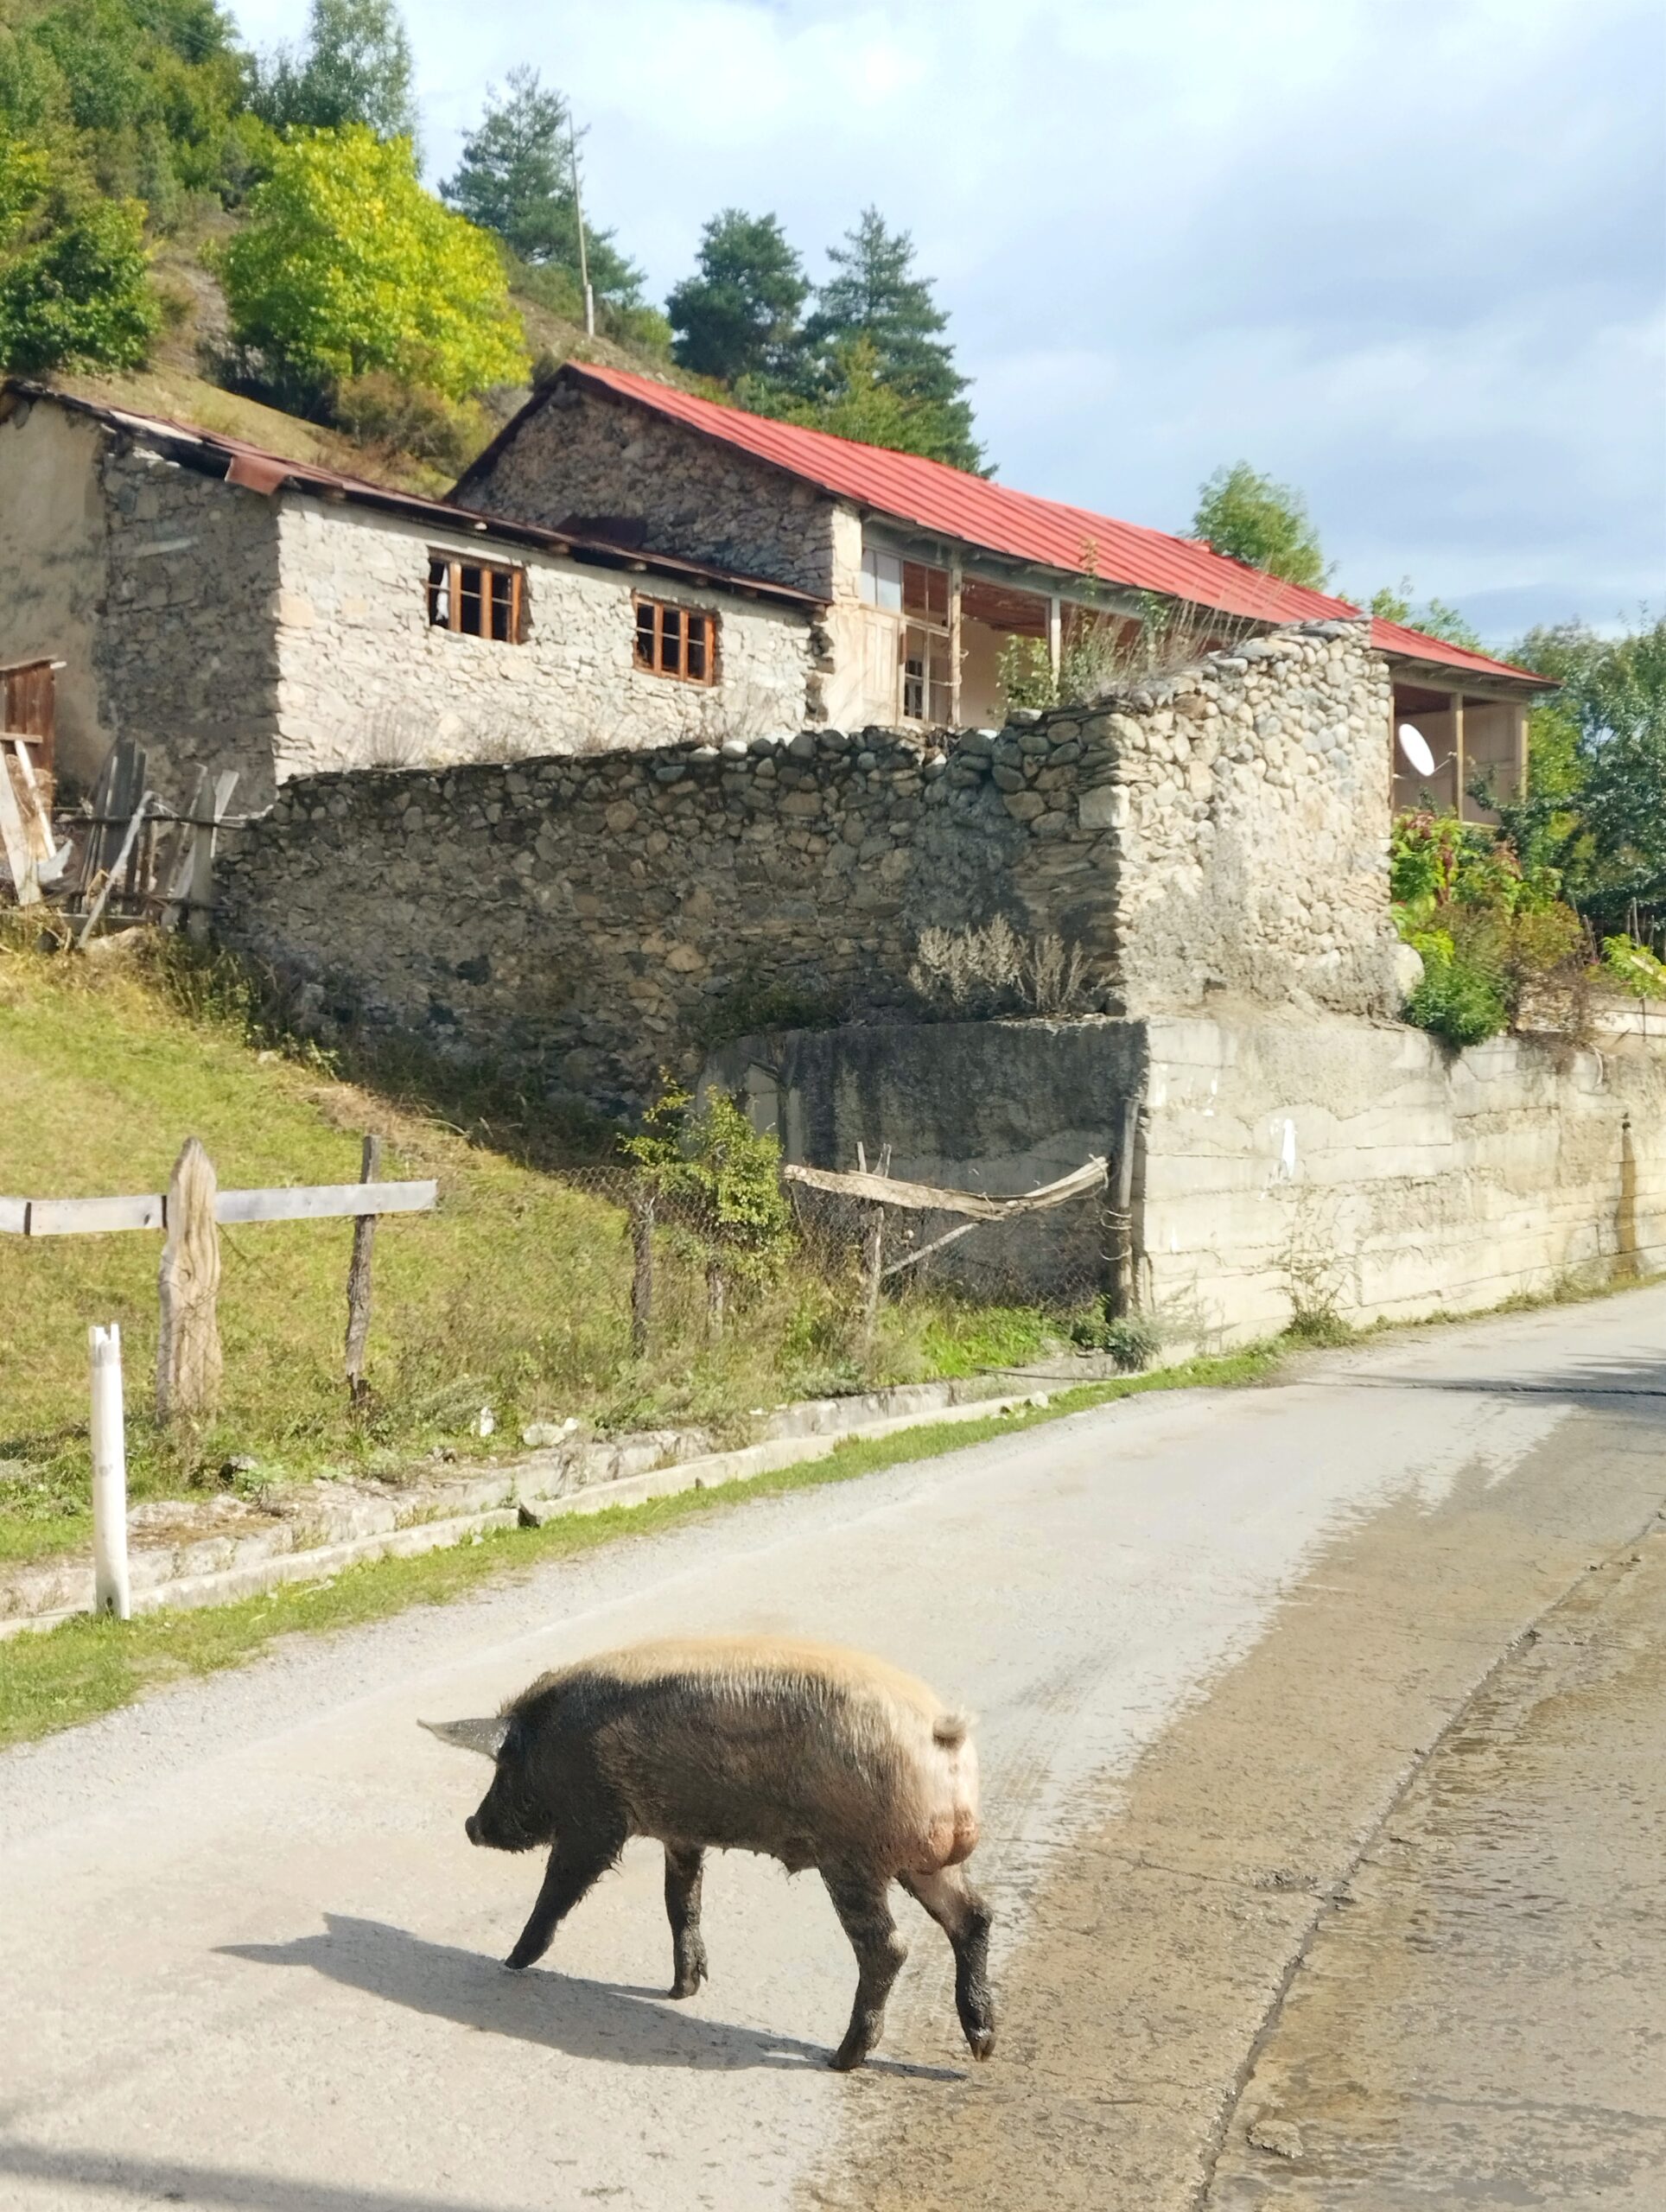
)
(485, 1737)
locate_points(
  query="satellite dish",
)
(1415, 747)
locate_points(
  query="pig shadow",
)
(563, 2012)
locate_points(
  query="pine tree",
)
(516, 178)
(875, 294)
(738, 315)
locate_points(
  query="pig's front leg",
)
(577, 1862)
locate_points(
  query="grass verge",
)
(87, 1667)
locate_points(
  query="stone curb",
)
(538, 1488)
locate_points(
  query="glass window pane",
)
(699, 625)
(471, 617)
(888, 582)
(501, 586)
(670, 633)
(438, 595)
(645, 636)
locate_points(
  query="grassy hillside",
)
(514, 1294)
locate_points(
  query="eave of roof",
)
(951, 502)
(253, 469)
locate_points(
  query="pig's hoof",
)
(981, 2042)
(687, 1984)
(847, 2058)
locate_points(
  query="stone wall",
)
(184, 652)
(594, 919)
(366, 681)
(586, 453)
(1323, 1160)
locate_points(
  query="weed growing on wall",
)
(1491, 935)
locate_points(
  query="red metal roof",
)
(952, 503)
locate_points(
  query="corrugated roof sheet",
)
(952, 503)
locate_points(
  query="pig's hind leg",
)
(685, 1864)
(578, 1862)
(965, 1919)
(859, 1901)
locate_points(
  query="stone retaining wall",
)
(593, 920)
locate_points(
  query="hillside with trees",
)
(248, 241)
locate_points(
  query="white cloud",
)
(1405, 255)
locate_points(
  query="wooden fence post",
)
(110, 1589)
(873, 1249)
(187, 1342)
(641, 1269)
(1120, 1287)
(364, 1238)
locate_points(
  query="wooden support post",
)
(955, 646)
(1120, 1287)
(641, 1270)
(1055, 634)
(1457, 752)
(363, 1240)
(873, 1248)
(109, 1588)
(187, 1342)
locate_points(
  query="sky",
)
(1409, 256)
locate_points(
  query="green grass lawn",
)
(513, 1294)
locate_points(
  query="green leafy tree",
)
(355, 67)
(141, 98)
(1596, 802)
(75, 288)
(717, 1184)
(515, 178)
(1434, 618)
(876, 295)
(347, 266)
(1263, 523)
(737, 316)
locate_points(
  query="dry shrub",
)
(990, 969)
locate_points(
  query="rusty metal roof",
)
(953, 503)
(254, 469)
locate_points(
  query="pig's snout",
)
(472, 1828)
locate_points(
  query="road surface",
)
(1219, 1643)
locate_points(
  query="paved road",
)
(250, 1959)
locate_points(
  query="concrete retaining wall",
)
(1283, 1160)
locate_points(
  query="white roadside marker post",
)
(109, 1591)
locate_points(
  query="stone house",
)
(928, 573)
(230, 608)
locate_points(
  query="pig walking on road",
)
(815, 1756)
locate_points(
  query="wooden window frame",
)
(447, 569)
(654, 663)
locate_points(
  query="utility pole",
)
(578, 210)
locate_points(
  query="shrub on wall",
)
(1489, 931)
